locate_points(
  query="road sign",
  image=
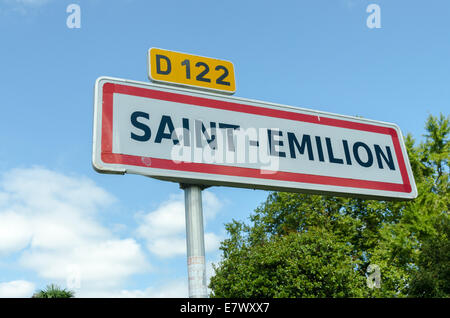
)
(181, 69)
(208, 139)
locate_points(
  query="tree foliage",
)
(299, 245)
(54, 291)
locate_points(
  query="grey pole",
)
(195, 241)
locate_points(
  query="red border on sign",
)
(108, 156)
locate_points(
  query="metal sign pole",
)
(195, 241)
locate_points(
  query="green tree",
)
(406, 248)
(54, 291)
(299, 245)
(433, 266)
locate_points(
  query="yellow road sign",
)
(183, 69)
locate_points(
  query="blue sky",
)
(123, 235)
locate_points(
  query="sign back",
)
(203, 138)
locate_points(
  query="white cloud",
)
(104, 263)
(52, 220)
(166, 220)
(47, 190)
(46, 209)
(164, 229)
(15, 232)
(212, 241)
(177, 288)
(16, 289)
(173, 289)
(211, 204)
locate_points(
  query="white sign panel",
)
(203, 138)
